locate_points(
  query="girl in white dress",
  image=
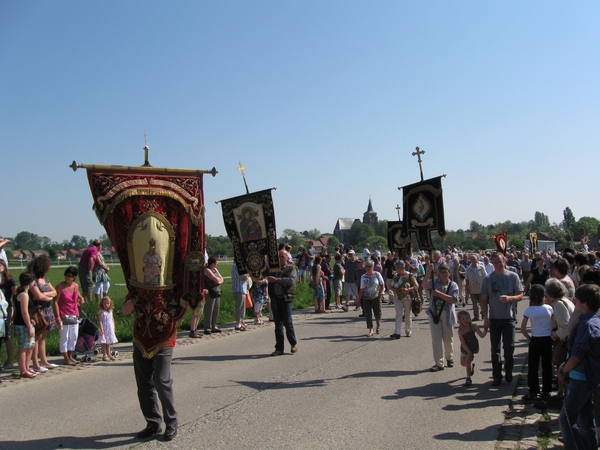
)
(107, 328)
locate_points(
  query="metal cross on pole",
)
(241, 169)
(398, 211)
(418, 153)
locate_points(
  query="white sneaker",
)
(408, 333)
(42, 369)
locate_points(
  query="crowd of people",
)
(561, 322)
(32, 307)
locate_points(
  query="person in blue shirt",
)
(583, 366)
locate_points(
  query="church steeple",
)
(370, 216)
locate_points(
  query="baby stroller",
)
(86, 340)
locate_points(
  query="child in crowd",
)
(469, 345)
(259, 296)
(107, 328)
(540, 343)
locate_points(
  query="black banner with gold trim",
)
(250, 224)
(423, 207)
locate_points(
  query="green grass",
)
(124, 324)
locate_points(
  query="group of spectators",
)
(33, 307)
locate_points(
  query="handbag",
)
(38, 320)
(559, 352)
(70, 320)
(416, 305)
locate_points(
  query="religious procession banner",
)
(423, 212)
(533, 238)
(155, 220)
(501, 241)
(396, 241)
(250, 224)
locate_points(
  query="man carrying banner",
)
(153, 379)
(282, 289)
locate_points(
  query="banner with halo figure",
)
(250, 224)
(155, 220)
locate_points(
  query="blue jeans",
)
(282, 314)
(576, 418)
(502, 330)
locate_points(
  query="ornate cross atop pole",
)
(241, 169)
(418, 154)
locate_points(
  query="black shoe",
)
(509, 377)
(150, 430)
(450, 363)
(395, 336)
(170, 432)
(216, 330)
(497, 382)
(207, 332)
(361, 315)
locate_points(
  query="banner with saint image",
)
(155, 219)
(250, 224)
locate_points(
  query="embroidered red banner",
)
(155, 219)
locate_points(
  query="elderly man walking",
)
(282, 289)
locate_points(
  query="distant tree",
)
(585, 226)
(78, 242)
(542, 223)
(52, 253)
(24, 240)
(313, 234)
(516, 242)
(218, 246)
(332, 243)
(296, 241)
(569, 219)
(106, 242)
(359, 233)
(290, 232)
(375, 241)
(476, 227)
(381, 228)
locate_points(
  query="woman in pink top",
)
(66, 310)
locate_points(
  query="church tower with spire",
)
(370, 216)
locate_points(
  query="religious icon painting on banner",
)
(250, 221)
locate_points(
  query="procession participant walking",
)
(405, 286)
(442, 314)
(282, 290)
(501, 290)
(370, 294)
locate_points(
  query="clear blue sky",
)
(324, 99)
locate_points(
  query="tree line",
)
(477, 237)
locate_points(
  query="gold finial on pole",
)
(146, 149)
(242, 169)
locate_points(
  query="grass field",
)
(124, 324)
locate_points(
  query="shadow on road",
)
(92, 442)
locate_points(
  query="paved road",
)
(341, 390)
